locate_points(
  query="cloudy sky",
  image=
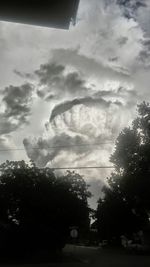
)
(62, 89)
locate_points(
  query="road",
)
(104, 257)
(80, 256)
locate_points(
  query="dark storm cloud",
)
(147, 43)
(133, 3)
(87, 101)
(57, 82)
(40, 93)
(16, 100)
(130, 7)
(74, 82)
(23, 75)
(43, 150)
(144, 56)
(49, 73)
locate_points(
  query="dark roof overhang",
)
(46, 13)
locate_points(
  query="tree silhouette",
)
(39, 208)
(126, 205)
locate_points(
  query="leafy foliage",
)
(126, 205)
(39, 207)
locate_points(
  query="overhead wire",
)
(82, 167)
(65, 146)
(54, 147)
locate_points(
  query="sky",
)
(62, 89)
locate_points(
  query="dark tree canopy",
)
(38, 208)
(126, 204)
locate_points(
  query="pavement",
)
(105, 257)
(81, 256)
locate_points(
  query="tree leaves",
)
(129, 185)
(33, 199)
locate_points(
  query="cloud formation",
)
(67, 105)
(16, 107)
(78, 122)
(56, 81)
(130, 7)
(43, 151)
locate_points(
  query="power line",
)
(83, 167)
(54, 147)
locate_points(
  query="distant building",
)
(47, 13)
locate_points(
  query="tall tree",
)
(126, 205)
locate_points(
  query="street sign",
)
(74, 233)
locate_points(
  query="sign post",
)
(74, 235)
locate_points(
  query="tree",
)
(126, 204)
(39, 207)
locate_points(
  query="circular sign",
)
(74, 233)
